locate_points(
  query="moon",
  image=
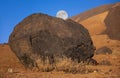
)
(62, 14)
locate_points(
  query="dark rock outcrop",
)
(43, 41)
(112, 22)
(103, 50)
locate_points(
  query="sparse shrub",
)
(63, 64)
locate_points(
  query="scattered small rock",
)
(95, 71)
(10, 70)
(110, 70)
(103, 50)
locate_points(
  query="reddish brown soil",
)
(8, 62)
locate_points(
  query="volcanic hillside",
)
(92, 12)
(103, 25)
(94, 19)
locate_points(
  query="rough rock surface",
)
(44, 41)
(112, 22)
(103, 50)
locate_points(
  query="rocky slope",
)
(101, 19)
(112, 22)
(98, 10)
(103, 25)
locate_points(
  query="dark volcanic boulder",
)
(44, 41)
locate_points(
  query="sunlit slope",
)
(8, 59)
(95, 24)
(92, 12)
(103, 24)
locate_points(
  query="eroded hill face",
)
(103, 19)
(112, 22)
(92, 12)
(95, 24)
(103, 25)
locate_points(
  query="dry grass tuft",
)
(63, 64)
